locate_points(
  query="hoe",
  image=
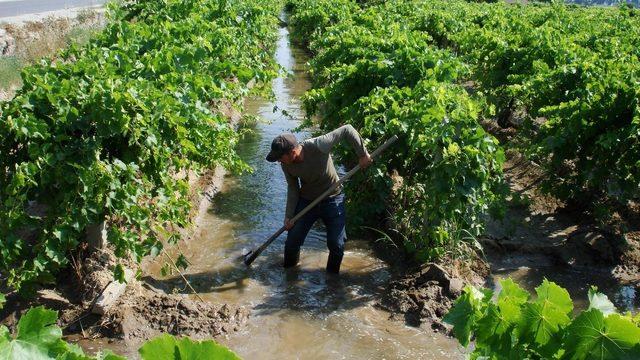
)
(253, 254)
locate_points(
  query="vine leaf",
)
(464, 313)
(542, 319)
(601, 302)
(594, 336)
(37, 336)
(499, 318)
(510, 300)
(167, 347)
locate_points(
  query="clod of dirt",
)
(426, 294)
(97, 273)
(589, 248)
(142, 314)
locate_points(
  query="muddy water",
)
(577, 282)
(295, 314)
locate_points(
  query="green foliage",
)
(464, 315)
(574, 69)
(107, 131)
(515, 327)
(38, 337)
(371, 70)
(167, 347)
(309, 18)
(569, 74)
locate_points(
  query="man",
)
(309, 170)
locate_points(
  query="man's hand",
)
(288, 224)
(365, 161)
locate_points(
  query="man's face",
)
(287, 158)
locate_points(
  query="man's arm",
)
(293, 192)
(346, 132)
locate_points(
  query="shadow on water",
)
(305, 288)
(311, 291)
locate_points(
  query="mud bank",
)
(426, 293)
(539, 230)
(143, 314)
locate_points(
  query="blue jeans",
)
(331, 211)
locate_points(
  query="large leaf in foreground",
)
(37, 336)
(542, 319)
(510, 300)
(594, 336)
(167, 347)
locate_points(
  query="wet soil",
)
(426, 293)
(538, 226)
(142, 314)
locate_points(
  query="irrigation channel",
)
(294, 313)
(299, 313)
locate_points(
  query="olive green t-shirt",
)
(316, 173)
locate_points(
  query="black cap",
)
(281, 145)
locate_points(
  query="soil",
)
(538, 227)
(142, 314)
(426, 293)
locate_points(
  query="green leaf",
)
(3, 300)
(167, 347)
(204, 350)
(463, 314)
(601, 302)
(512, 292)
(592, 336)
(492, 325)
(510, 300)
(543, 319)
(118, 273)
(5, 335)
(37, 336)
(182, 262)
(165, 269)
(73, 356)
(555, 297)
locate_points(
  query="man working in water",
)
(310, 162)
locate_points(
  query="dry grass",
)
(37, 39)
